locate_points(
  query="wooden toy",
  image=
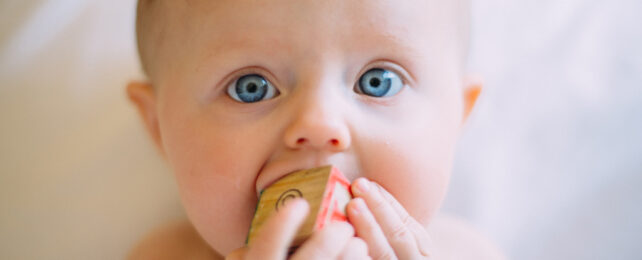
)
(326, 190)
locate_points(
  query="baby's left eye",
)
(251, 88)
(379, 83)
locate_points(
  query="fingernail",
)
(362, 186)
(361, 204)
(354, 211)
(358, 206)
(426, 246)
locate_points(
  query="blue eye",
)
(251, 88)
(380, 83)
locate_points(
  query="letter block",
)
(326, 190)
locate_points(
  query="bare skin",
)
(243, 92)
(180, 241)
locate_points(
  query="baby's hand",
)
(387, 228)
(335, 241)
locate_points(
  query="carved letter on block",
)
(325, 189)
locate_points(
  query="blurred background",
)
(549, 167)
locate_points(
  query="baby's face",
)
(248, 91)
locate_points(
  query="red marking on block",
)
(329, 199)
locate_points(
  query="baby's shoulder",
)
(454, 238)
(178, 240)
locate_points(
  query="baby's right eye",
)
(251, 88)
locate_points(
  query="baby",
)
(243, 92)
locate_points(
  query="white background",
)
(550, 166)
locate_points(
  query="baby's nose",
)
(318, 128)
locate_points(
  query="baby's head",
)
(243, 92)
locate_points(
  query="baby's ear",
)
(472, 88)
(142, 94)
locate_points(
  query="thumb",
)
(275, 236)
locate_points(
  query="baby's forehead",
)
(280, 24)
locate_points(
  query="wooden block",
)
(326, 190)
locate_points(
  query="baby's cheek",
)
(417, 178)
(220, 206)
(220, 213)
(216, 187)
(419, 193)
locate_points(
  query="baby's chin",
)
(224, 232)
(223, 244)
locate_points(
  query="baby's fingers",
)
(394, 222)
(421, 236)
(355, 249)
(275, 236)
(328, 243)
(368, 229)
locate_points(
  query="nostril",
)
(300, 141)
(334, 142)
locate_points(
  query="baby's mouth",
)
(277, 169)
(262, 186)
